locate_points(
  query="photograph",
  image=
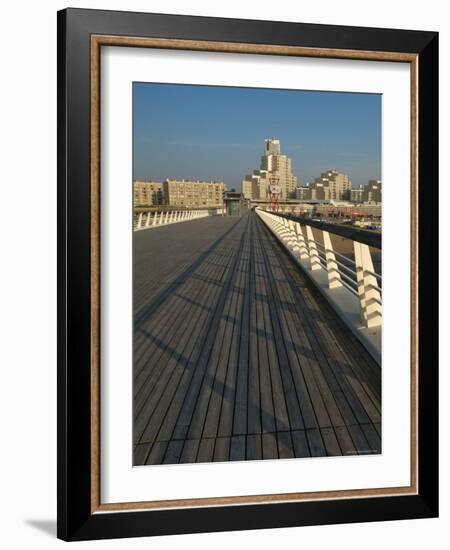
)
(257, 273)
(247, 273)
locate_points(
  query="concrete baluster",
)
(293, 244)
(334, 277)
(368, 290)
(139, 222)
(300, 248)
(313, 252)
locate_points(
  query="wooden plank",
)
(225, 428)
(359, 439)
(315, 442)
(269, 445)
(140, 454)
(267, 406)
(222, 449)
(180, 363)
(341, 397)
(297, 336)
(294, 331)
(251, 350)
(308, 396)
(185, 417)
(187, 339)
(254, 400)
(330, 441)
(321, 326)
(281, 417)
(285, 445)
(157, 453)
(206, 450)
(191, 353)
(300, 443)
(240, 416)
(173, 452)
(372, 436)
(221, 343)
(190, 450)
(345, 441)
(254, 449)
(156, 378)
(169, 315)
(179, 252)
(209, 381)
(237, 447)
(296, 395)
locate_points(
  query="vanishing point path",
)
(237, 356)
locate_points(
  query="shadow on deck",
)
(237, 356)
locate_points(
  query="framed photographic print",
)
(247, 274)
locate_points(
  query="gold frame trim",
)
(97, 41)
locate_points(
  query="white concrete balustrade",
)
(149, 220)
(351, 287)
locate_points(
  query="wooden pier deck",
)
(237, 356)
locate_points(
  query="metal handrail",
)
(348, 281)
(349, 260)
(348, 232)
(361, 281)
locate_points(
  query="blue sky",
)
(217, 133)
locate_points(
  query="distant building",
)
(236, 204)
(331, 185)
(319, 191)
(256, 185)
(303, 193)
(147, 193)
(372, 191)
(273, 166)
(356, 194)
(193, 194)
(247, 185)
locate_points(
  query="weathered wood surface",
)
(237, 356)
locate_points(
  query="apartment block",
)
(273, 167)
(331, 185)
(372, 191)
(147, 193)
(193, 194)
(303, 193)
(356, 194)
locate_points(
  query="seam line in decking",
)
(237, 357)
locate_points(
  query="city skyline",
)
(216, 133)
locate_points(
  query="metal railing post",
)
(334, 277)
(313, 253)
(369, 293)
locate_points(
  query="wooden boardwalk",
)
(237, 356)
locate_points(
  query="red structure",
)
(274, 193)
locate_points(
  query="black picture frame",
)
(75, 476)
